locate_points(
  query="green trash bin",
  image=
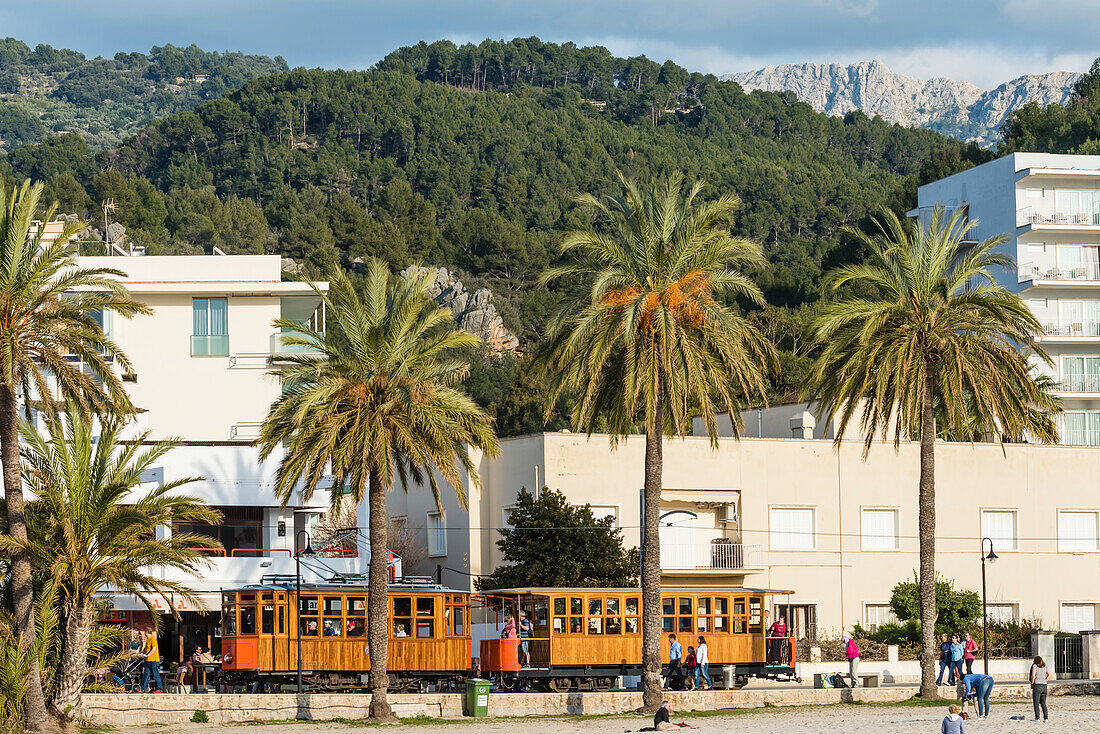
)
(477, 697)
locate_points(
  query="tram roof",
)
(343, 586)
(547, 590)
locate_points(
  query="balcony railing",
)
(210, 345)
(1080, 437)
(279, 345)
(716, 556)
(1031, 215)
(1080, 383)
(1033, 271)
(1076, 328)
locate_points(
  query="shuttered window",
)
(1000, 527)
(1077, 532)
(880, 529)
(792, 528)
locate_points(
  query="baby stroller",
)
(127, 675)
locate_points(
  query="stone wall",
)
(223, 708)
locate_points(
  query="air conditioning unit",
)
(728, 513)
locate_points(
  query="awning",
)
(721, 496)
(206, 602)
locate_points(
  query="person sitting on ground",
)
(953, 723)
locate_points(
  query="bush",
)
(200, 717)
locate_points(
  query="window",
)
(210, 327)
(1078, 617)
(425, 616)
(402, 616)
(1077, 531)
(880, 529)
(307, 616)
(506, 515)
(878, 614)
(1081, 374)
(1037, 303)
(1000, 527)
(792, 528)
(437, 534)
(1036, 247)
(1003, 612)
(1081, 427)
(1033, 193)
(601, 511)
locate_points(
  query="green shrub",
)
(200, 717)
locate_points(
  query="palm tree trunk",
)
(74, 660)
(378, 626)
(22, 590)
(651, 557)
(926, 501)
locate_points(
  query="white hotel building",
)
(200, 375)
(1048, 206)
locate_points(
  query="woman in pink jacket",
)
(851, 650)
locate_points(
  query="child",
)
(689, 667)
(953, 723)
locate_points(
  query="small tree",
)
(554, 543)
(956, 608)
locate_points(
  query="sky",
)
(985, 42)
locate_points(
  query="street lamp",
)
(298, 553)
(991, 557)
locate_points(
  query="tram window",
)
(668, 607)
(229, 621)
(702, 624)
(739, 607)
(614, 626)
(357, 606)
(425, 606)
(356, 628)
(282, 619)
(333, 605)
(248, 597)
(576, 605)
(740, 616)
(668, 624)
(559, 625)
(631, 625)
(559, 606)
(332, 627)
(595, 626)
(576, 626)
(458, 621)
(267, 619)
(632, 606)
(425, 628)
(721, 624)
(402, 606)
(248, 620)
(612, 607)
(685, 624)
(739, 627)
(594, 606)
(721, 614)
(228, 598)
(703, 611)
(402, 616)
(685, 607)
(268, 596)
(307, 616)
(756, 619)
(307, 606)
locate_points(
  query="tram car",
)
(261, 624)
(584, 638)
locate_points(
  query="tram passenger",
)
(525, 630)
(399, 631)
(311, 629)
(331, 630)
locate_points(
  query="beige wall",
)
(837, 575)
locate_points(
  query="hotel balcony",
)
(1084, 384)
(279, 346)
(1070, 216)
(1076, 331)
(717, 557)
(1087, 274)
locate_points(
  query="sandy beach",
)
(1069, 713)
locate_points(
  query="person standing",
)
(702, 661)
(851, 651)
(970, 647)
(1039, 676)
(957, 652)
(690, 665)
(525, 633)
(151, 651)
(945, 661)
(778, 634)
(979, 686)
(953, 723)
(675, 654)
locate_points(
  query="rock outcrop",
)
(952, 107)
(473, 312)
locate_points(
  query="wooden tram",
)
(585, 638)
(429, 634)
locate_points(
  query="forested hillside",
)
(1070, 128)
(329, 166)
(49, 90)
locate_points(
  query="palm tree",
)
(92, 528)
(647, 339)
(50, 345)
(942, 349)
(375, 401)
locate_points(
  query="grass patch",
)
(89, 728)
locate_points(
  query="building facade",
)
(200, 375)
(797, 513)
(1048, 208)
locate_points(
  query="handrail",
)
(235, 551)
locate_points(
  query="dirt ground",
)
(1068, 714)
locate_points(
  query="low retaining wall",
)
(908, 671)
(222, 708)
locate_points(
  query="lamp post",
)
(991, 557)
(298, 553)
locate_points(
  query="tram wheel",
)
(740, 681)
(603, 685)
(560, 685)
